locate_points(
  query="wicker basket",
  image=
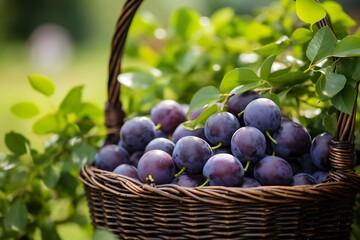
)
(132, 210)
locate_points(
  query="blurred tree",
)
(21, 17)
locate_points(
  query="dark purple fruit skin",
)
(224, 170)
(220, 127)
(237, 102)
(249, 183)
(127, 170)
(180, 132)
(159, 165)
(191, 152)
(320, 151)
(293, 140)
(306, 164)
(303, 179)
(135, 157)
(161, 144)
(273, 170)
(111, 156)
(248, 144)
(169, 114)
(196, 113)
(263, 114)
(186, 180)
(137, 132)
(320, 176)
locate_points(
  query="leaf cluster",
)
(40, 189)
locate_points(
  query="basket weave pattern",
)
(133, 210)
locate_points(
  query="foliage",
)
(194, 59)
(41, 190)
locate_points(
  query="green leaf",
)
(265, 68)
(222, 17)
(237, 77)
(185, 60)
(201, 119)
(49, 231)
(51, 176)
(301, 35)
(287, 79)
(322, 45)
(137, 80)
(204, 96)
(16, 143)
(247, 87)
(50, 123)
(184, 22)
(338, 15)
(344, 100)
(83, 154)
(16, 217)
(282, 96)
(332, 84)
(274, 48)
(91, 111)
(25, 110)
(350, 68)
(102, 234)
(309, 11)
(72, 101)
(319, 86)
(348, 47)
(42, 84)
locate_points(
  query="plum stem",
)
(217, 146)
(182, 170)
(150, 179)
(270, 137)
(158, 126)
(247, 165)
(241, 113)
(205, 183)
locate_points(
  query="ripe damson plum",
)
(273, 170)
(168, 114)
(237, 102)
(191, 153)
(263, 114)
(196, 113)
(220, 127)
(111, 156)
(249, 183)
(222, 150)
(320, 176)
(180, 132)
(156, 166)
(135, 157)
(292, 140)
(248, 144)
(127, 170)
(137, 132)
(186, 180)
(303, 179)
(161, 144)
(224, 170)
(306, 163)
(320, 150)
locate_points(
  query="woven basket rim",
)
(111, 182)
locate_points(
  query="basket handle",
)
(114, 114)
(342, 147)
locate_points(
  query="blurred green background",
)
(69, 41)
